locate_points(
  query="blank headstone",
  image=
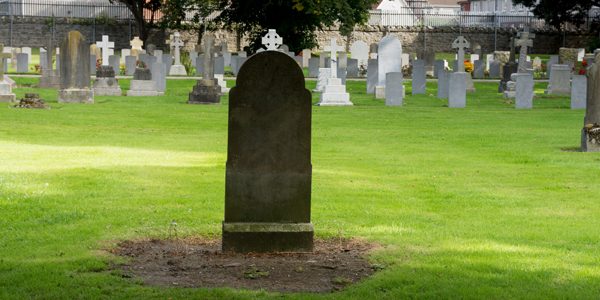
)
(394, 91)
(457, 97)
(419, 77)
(268, 173)
(443, 84)
(22, 62)
(579, 92)
(524, 90)
(372, 76)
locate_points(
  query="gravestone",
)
(306, 55)
(457, 96)
(494, 69)
(75, 70)
(107, 49)
(115, 62)
(479, 69)
(313, 67)
(359, 50)
(394, 93)
(177, 69)
(443, 84)
(439, 66)
(136, 46)
(578, 92)
(419, 79)
(268, 174)
(93, 64)
(142, 84)
(6, 94)
(207, 90)
(22, 63)
(524, 90)
(560, 80)
(590, 134)
(130, 62)
(352, 71)
(334, 93)
(159, 76)
(105, 83)
(389, 60)
(372, 74)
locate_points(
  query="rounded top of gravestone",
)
(284, 70)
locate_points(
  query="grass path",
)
(482, 202)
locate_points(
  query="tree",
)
(138, 9)
(295, 20)
(202, 12)
(560, 12)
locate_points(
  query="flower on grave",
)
(469, 66)
(140, 64)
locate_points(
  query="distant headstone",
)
(457, 97)
(479, 69)
(443, 84)
(590, 134)
(372, 76)
(313, 67)
(394, 93)
(22, 62)
(389, 60)
(207, 90)
(560, 80)
(524, 90)
(268, 176)
(75, 70)
(130, 62)
(418, 77)
(579, 92)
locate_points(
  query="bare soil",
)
(335, 264)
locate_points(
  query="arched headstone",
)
(268, 177)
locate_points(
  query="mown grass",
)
(482, 202)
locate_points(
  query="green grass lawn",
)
(483, 202)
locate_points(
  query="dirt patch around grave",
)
(198, 262)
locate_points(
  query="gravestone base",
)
(76, 96)
(107, 86)
(177, 70)
(6, 94)
(267, 237)
(380, 92)
(141, 88)
(590, 142)
(206, 91)
(335, 94)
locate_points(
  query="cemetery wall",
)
(34, 32)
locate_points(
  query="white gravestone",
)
(389, 54)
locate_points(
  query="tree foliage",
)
(296, 21)
(197, 15)
(560, 12)
(144, 12)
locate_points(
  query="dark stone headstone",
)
(268, 177)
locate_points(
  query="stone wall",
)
(34, 32)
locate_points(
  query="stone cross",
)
(2, 57)
(105, 46)
(177, 44)
(272, 40)
(136, 43)
(334, 48)
(525, 40)
(461, 44)
(209, 56)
